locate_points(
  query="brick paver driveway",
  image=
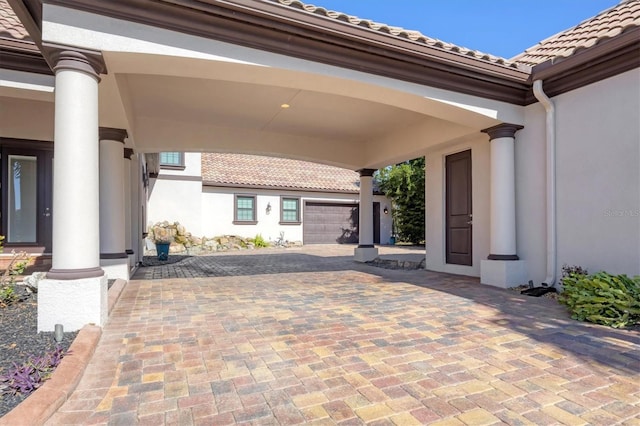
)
(303, 337)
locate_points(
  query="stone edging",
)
(397, 264)
(44, 402)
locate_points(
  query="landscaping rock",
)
(182, 241)
(31, 281)
(176, 248)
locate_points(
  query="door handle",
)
(470, 222)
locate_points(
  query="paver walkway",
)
(305, 337)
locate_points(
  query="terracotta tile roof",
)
(258, 171)
(608, 24)
(398, 32)
(10, 25)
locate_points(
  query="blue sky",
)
(500, 27)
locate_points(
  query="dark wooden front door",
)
(26, 180)
(459, 214)
(376, 223)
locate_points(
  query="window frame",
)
(172, 166)
(298, 220)
(237, 221)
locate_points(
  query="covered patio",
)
(128, 86)
(275, 78)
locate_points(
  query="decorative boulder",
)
(31, 282)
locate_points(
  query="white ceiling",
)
(258, 107)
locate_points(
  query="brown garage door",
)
(331, 223)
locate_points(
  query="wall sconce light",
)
(268, 208)
(385, 210)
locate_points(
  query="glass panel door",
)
(22, 214)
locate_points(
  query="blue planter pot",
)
(163, 250)
(392, 240)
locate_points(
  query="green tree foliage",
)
(403, 183)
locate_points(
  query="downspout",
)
(538, 92)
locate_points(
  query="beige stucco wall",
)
(435, 209)
(26, 119)
(598, 179)
(175, 196)
(599, 175)
(530, 163)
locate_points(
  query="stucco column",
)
(502, 209)
(366, 250)
(128, 200)
(136, 233)
(136, 208)
(74, 292)
(76, 250)
(503, 192)
(113, 256)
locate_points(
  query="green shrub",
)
(17, 265)
(258, 241)
(7, 296)
(602, 298)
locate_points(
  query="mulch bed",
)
(19, 339)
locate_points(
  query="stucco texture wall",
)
(598, 179)
(175, 196)
(435, 208)
(598, 168)
(26, 119)
(530, 164)
(217, 213)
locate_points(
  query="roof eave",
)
(213, 183)
(606, 59)
(29, 12)
(284, 30)
(23, 60)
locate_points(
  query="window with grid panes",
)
(290, 211)
(245, 208)
(172, 159)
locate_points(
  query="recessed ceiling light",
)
(285, 106)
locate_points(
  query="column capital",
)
(504, 130)
(366, 172)
(128, 153)
(90, 63)
(111, 134)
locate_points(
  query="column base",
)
(503, 273)
(132, 259)
(116, 268)
(72, 303)
(365, 254)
